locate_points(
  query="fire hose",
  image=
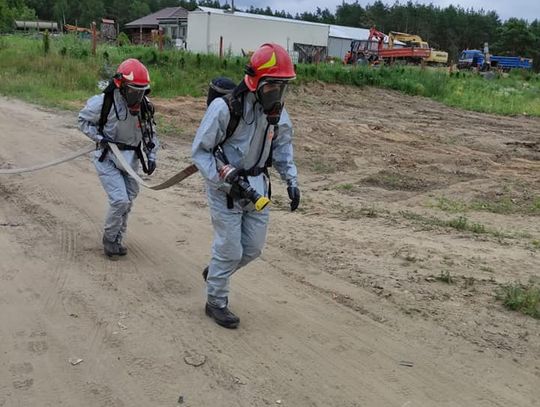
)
(175, 179)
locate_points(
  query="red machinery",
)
(365, 49)
(377, 35)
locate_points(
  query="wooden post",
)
(94, 38)
(220, 47)
(140, 34)
(160, 39)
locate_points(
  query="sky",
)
(527, 9)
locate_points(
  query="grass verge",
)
(68, 72)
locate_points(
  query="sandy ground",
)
(345, 308)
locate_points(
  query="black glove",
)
(103, 143)
(294, 196)
(151, 166)
(236, 192)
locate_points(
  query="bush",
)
(123, 40)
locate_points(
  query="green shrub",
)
(123, 40)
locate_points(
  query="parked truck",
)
(412, 49)
(435, 57)
(474, 58)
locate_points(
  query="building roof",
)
(153, 20)
(336, 31)
(255, 16)
(350, 33)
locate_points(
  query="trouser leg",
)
(239, 238)
(114, 184)
(254, 228)
(226, 255)
(132, 190)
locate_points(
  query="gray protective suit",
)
(239, 233)
(121, 189)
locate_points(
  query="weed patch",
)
(509, 201)
(522, 298)
(322, 167)
(461, 223)
(345, 187)
(394, 181)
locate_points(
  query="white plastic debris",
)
(75, 361)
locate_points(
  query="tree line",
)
(451, 28)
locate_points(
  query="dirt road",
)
(347, 306)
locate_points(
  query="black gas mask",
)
(133, 95)
(271, 95)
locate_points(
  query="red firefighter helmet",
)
(133, 80)
(270, 61)
(132, 72)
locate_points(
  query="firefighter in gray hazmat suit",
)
(122, 115)
(234, 166)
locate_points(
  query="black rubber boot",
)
(122, 250)
(110, 248)
(222, 316)
(205, 273)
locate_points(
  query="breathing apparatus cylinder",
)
(246, 191)
(258, 200)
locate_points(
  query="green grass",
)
(321, 166)
(460, 223)
(345, 187)
(509, 95)
(68, 73)
(391, 180)
(522, 298)
(504, 204)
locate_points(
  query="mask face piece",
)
(133, 96)
(271, 96)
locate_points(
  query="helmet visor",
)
(271, 94)
(134, 94)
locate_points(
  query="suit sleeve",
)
(89, 118)
(282, 151)
(210, 133)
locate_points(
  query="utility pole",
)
(94, 39)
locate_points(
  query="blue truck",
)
(473, 58)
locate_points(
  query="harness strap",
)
(252, 172)
(122, 146)
(230, 202)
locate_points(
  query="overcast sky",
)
(527, 9)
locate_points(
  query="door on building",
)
(308, 53)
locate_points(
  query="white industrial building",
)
(210, 30)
